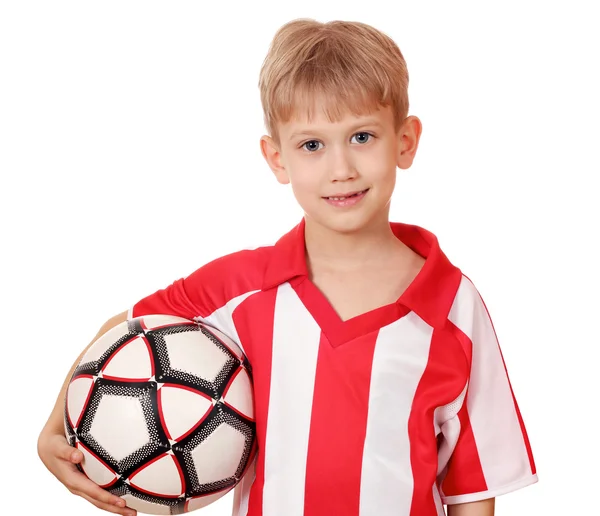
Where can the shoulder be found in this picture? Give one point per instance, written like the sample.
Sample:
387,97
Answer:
470,316
467,295
467,303
244,268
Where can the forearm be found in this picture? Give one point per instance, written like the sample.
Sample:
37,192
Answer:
55,422
481,508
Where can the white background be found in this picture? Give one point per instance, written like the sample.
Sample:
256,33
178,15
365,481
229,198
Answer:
129,157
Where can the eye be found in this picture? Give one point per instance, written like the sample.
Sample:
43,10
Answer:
314,144
363,135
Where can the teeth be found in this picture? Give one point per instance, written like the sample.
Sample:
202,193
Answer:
343,198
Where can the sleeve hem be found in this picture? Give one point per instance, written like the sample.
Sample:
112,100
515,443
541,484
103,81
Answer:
492,493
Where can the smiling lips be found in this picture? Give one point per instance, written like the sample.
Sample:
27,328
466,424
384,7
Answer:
342,197
349,199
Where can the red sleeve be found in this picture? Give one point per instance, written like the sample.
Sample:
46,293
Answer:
172,300
491,454
206,290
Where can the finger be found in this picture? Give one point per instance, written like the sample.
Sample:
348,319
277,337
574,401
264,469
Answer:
125,511
67,452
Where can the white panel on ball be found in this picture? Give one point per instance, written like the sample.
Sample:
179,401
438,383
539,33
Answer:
160,477
202,358
77,395
239,395
182,409
95,469
104,343
125,438
224,441
132,361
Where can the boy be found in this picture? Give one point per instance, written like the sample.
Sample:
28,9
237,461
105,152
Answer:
379,385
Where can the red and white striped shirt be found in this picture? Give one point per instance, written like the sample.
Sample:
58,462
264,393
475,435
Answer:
394,412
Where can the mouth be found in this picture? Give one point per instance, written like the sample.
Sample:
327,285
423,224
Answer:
346,196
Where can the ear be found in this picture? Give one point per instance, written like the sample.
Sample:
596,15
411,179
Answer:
408,137
271,153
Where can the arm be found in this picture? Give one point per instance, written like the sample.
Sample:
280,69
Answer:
60,458
55,421
481,508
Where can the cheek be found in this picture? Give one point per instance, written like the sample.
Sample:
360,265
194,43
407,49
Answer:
303,189
304,180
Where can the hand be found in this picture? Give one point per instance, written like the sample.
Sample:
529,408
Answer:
60,459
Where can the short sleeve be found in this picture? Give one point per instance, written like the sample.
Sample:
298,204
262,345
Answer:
189,297
491,452
210,294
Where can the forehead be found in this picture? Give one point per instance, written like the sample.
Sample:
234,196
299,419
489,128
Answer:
323,115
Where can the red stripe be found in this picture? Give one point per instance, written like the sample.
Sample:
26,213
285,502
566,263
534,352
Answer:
338,426
443,381
464,473
254,320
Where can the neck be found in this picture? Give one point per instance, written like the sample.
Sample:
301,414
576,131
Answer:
346,252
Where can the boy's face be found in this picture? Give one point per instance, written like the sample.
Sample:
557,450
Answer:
322,159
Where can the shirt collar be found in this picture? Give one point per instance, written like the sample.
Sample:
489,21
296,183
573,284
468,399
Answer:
430,295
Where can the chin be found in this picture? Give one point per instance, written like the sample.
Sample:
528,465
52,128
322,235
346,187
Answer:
345,223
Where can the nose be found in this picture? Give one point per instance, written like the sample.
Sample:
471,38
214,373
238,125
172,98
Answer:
341,166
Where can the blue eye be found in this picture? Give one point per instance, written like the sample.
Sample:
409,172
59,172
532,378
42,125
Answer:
363,133
313,142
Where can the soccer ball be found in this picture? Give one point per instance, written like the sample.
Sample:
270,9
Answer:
162,409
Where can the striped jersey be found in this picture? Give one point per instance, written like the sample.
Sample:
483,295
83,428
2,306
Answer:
394,412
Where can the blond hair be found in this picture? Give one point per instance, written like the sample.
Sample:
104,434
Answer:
351,65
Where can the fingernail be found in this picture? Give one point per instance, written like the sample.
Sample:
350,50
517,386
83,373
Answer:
120,503
74,456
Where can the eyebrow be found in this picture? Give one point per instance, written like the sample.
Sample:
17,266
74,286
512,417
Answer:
311,132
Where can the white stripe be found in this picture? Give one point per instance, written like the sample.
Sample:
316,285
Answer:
439,506
491,493
222,318
400,358
490,404
296,339
451,432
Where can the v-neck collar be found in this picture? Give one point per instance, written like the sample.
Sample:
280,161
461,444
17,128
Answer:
336,330
429,295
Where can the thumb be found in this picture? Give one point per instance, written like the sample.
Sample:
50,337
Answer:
74,455
71,454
